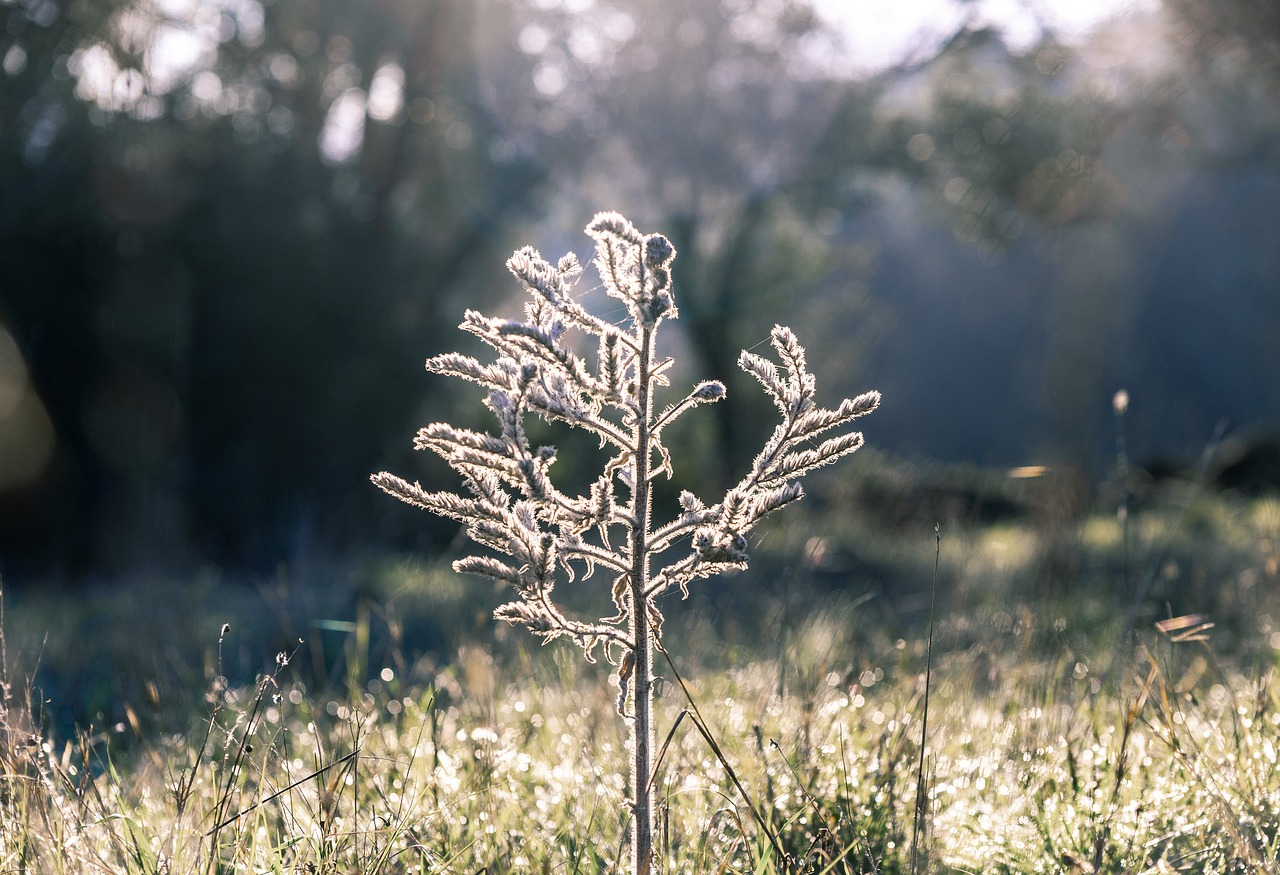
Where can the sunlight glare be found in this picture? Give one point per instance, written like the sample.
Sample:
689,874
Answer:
882,33
343,133
386,92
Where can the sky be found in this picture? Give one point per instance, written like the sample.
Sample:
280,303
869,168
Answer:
179,36
881,33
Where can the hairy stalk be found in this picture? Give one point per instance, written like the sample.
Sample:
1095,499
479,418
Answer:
641,636
514,509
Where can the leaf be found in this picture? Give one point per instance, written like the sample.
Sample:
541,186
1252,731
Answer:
613,226
444,504
763,370
454,364
770,500
488,567
791,352
569,268
537,274
800,463
528,614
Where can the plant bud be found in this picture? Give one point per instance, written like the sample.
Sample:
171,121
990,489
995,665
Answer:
658,251
709,391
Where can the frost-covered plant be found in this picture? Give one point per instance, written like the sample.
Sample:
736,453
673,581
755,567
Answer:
513,508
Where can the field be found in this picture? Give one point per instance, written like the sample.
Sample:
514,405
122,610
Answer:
1099,697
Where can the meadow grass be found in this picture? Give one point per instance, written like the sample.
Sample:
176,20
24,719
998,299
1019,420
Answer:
394,741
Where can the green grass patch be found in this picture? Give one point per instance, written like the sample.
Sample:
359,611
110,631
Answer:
408,733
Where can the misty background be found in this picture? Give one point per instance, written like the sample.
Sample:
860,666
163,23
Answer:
231,232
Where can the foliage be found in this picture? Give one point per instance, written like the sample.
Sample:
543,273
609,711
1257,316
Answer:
223,221
515,509
196,281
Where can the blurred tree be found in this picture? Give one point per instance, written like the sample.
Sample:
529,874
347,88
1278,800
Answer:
1001,139
389,185
699,119
52,240
1097,167
1218,29
227,225
740,129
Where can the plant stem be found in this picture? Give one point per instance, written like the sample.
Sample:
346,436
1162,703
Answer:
641,634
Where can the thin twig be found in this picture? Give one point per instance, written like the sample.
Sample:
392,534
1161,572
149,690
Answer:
921,790
699,722
317,773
